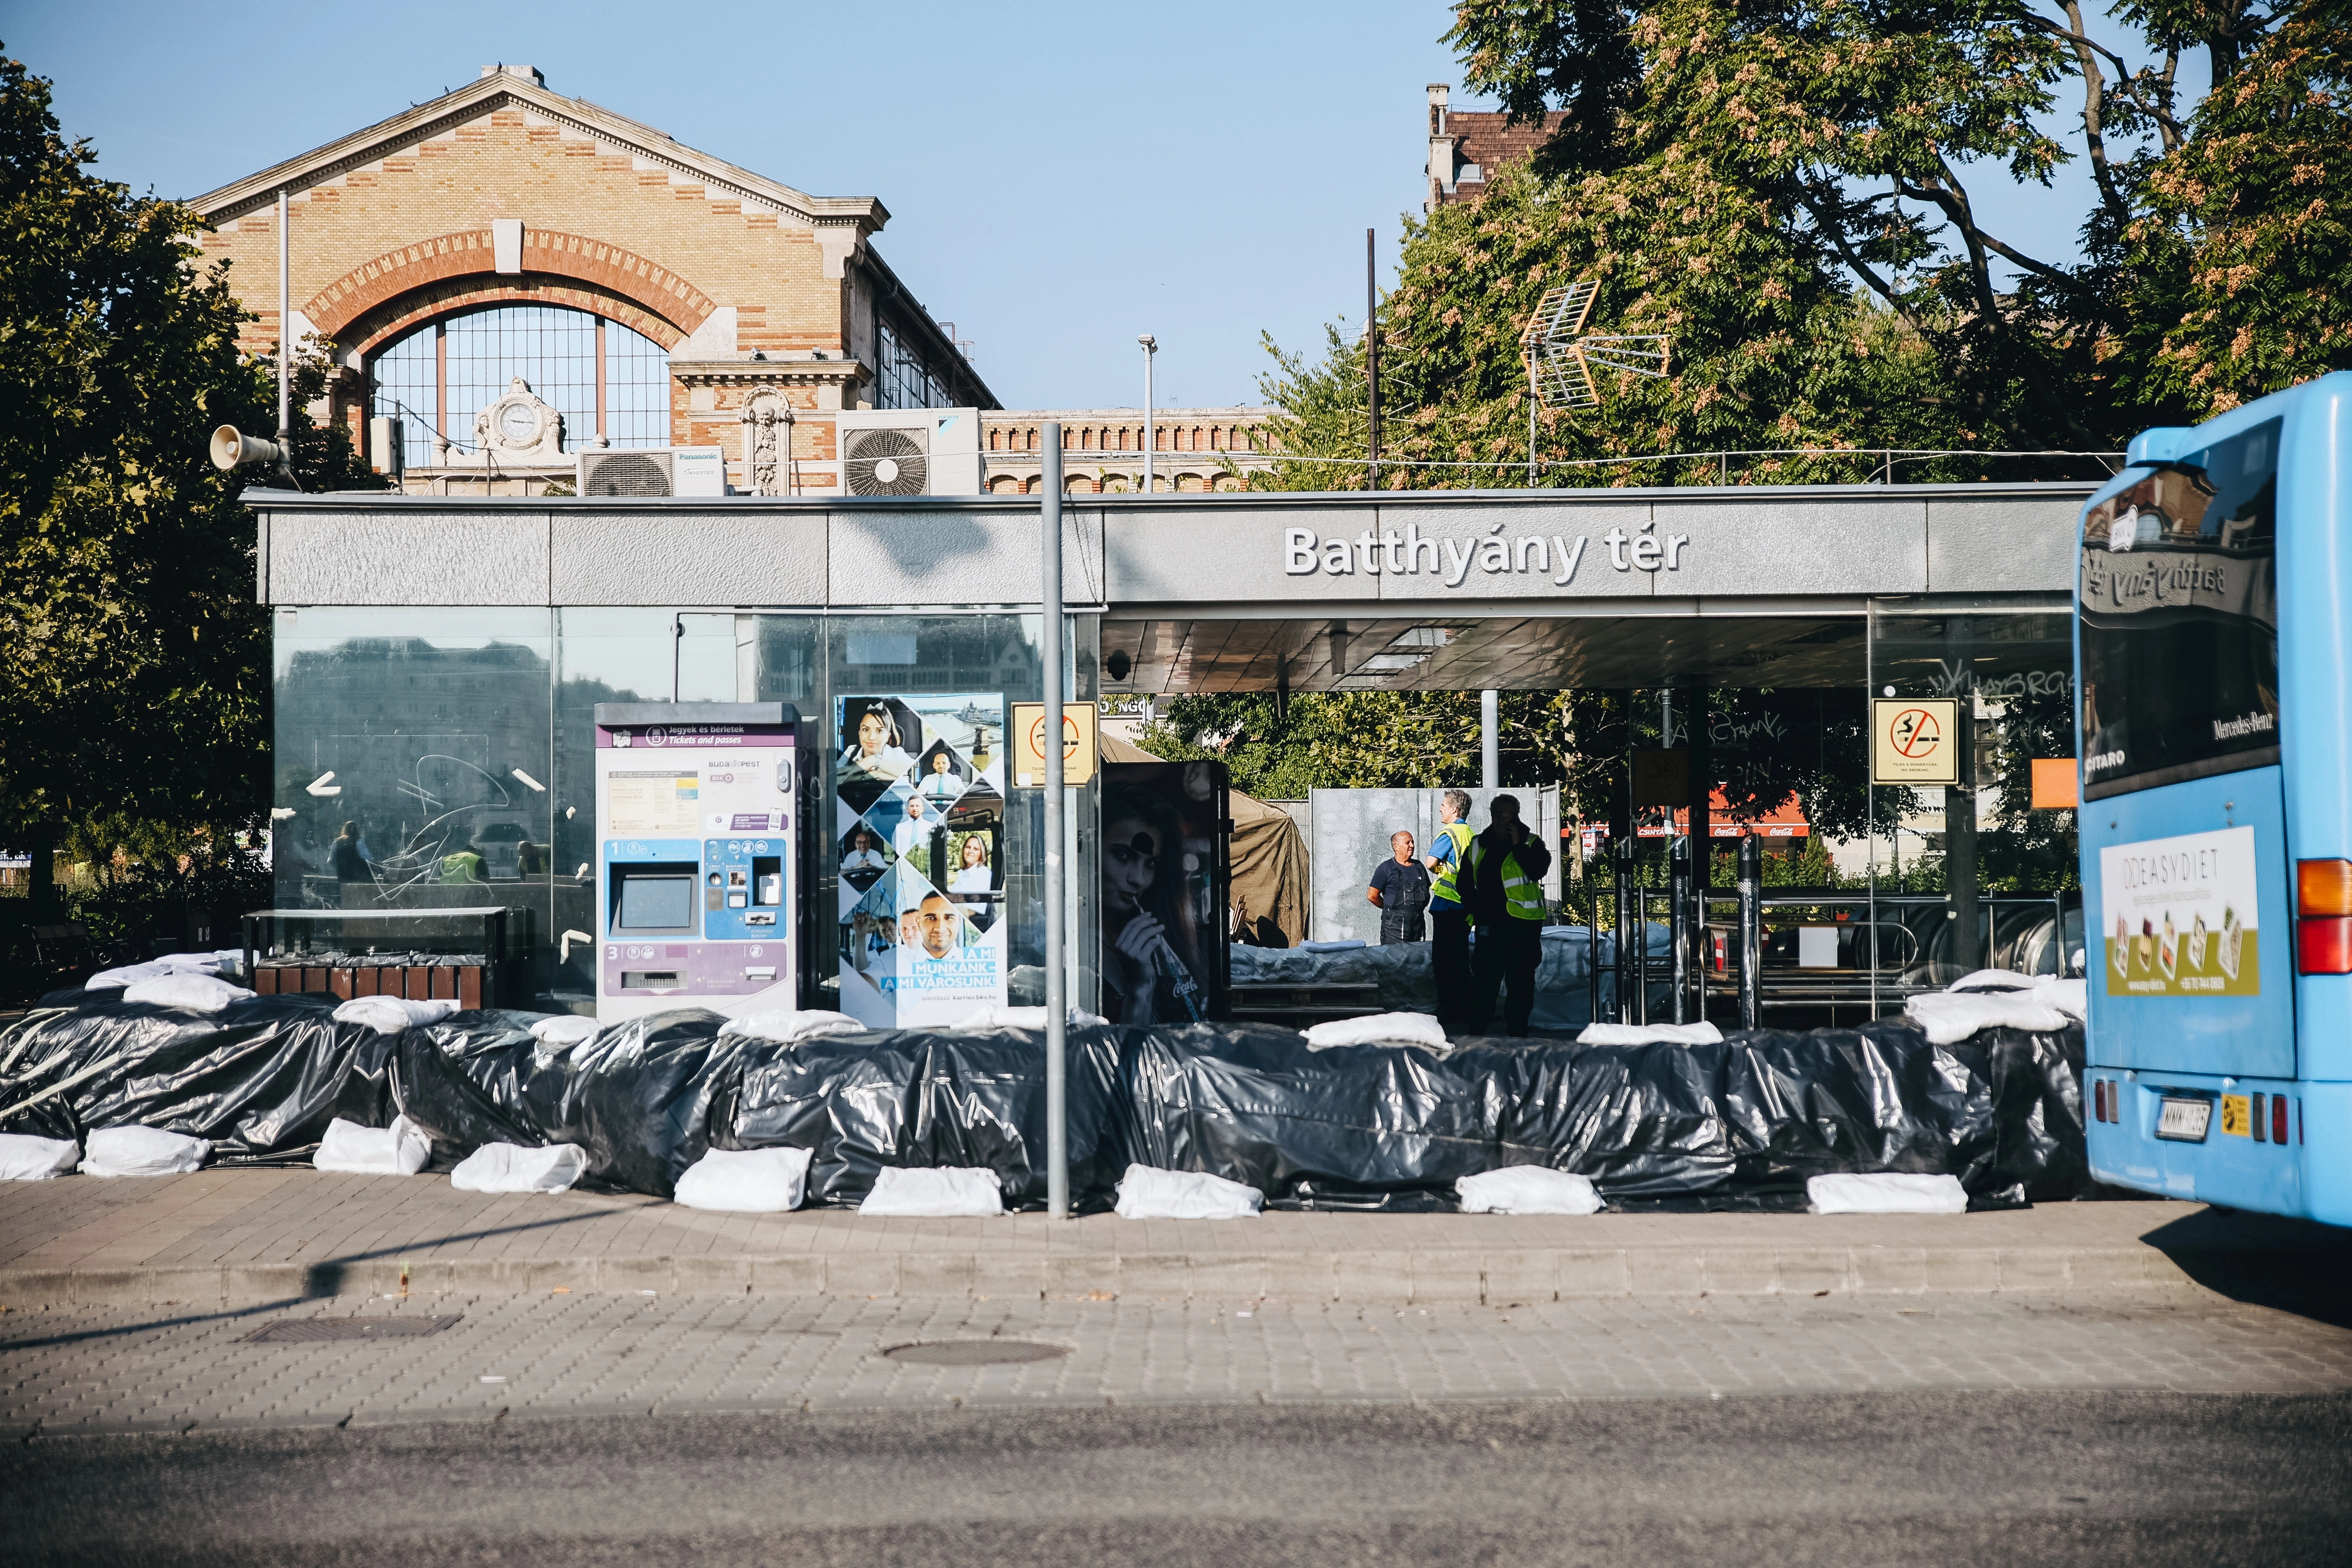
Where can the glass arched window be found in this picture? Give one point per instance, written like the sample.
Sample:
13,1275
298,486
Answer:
600,374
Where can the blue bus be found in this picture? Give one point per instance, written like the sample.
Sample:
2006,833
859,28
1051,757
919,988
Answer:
2213,664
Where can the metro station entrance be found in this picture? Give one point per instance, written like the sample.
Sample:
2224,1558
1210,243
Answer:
1722,823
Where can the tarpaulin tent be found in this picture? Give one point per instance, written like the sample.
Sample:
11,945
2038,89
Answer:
1269,857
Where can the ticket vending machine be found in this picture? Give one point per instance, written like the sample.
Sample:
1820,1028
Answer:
699,828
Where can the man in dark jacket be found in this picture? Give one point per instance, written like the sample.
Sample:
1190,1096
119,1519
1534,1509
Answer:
1503,873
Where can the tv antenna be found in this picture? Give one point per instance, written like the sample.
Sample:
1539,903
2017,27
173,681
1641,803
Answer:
1562,355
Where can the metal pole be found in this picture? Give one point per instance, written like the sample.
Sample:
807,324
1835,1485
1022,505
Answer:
1490,740
1150,347
285,342
1372,365
1621,853
1057,1011
1677,908
1751,929
1641,955
1591,880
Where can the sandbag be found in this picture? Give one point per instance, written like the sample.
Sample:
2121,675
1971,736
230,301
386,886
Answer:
141,1151
392,1015
1527,1189
511,1168
1379,1029
1885,1191
399,1149
746,1181
25,1158
187,989
933,1194
783,1026
481,1078
1147,1194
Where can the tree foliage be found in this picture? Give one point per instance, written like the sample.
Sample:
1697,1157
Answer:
134,696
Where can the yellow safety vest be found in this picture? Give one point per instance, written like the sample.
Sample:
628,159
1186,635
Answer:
1440,881
1522,894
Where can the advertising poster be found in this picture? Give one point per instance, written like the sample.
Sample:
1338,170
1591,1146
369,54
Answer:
918,797
1165,873
2179,916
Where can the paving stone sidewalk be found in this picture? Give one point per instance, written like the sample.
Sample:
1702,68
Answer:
232,1238
113,1371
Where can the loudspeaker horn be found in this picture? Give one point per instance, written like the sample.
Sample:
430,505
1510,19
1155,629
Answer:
231,448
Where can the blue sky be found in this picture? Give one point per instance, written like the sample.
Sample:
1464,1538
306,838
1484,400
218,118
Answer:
1060,178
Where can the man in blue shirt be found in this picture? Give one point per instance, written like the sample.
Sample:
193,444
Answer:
1400,892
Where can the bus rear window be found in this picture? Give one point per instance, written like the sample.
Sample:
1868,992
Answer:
2180,620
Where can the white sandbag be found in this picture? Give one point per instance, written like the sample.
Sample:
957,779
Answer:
1992,980
1700,1034
1350,944
1147,1192
399,1149
995,1017
128,975
933,1193
564,1030
187,990
746,1181
25,1158
2072,997
1527,1189
1379,1029
1885,1192
392,1015
1949,1018
142,1151
785,1025
511,1168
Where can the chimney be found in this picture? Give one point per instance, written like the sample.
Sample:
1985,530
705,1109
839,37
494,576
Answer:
530,72
1441,165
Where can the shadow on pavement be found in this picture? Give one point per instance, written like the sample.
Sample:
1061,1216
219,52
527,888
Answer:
2296,1265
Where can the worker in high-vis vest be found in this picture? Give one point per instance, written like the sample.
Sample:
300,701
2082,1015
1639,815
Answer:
1502,888
1449,924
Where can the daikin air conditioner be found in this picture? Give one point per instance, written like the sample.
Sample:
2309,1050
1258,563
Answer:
909,451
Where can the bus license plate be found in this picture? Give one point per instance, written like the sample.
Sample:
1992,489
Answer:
2185,1120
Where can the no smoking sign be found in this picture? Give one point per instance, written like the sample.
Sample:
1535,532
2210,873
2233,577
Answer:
1912,741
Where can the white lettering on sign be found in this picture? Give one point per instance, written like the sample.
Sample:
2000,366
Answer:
1409,554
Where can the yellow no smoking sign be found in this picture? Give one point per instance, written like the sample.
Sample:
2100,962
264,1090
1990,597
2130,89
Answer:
1914,741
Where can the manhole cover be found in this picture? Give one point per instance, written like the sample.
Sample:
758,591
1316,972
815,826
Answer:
311,1331
975,1352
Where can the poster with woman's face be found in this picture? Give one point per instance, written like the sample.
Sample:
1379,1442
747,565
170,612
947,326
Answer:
1162,925
920,805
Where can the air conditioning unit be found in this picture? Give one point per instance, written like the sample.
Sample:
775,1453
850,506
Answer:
653,471
909,451
616,471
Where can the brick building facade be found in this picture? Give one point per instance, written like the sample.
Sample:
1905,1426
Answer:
505,194
650,295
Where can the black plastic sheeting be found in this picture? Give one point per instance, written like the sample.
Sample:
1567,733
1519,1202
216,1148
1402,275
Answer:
263,1076
1739,1124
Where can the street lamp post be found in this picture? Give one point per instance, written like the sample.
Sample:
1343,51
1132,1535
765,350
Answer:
1151,346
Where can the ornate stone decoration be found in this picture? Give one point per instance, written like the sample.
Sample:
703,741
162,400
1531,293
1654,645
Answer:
520,428
767,441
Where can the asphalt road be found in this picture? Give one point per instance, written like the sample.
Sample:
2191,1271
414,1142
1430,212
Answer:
1869,1479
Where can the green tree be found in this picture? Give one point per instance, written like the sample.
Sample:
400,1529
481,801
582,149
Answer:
134,695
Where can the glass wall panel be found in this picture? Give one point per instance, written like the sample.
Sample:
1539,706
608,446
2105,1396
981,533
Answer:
412,755
2003,869
603,656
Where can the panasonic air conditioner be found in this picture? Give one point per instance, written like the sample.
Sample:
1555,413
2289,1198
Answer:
909,451
654,471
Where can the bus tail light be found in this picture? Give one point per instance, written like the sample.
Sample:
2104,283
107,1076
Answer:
2323,945
2323,888
2278,1118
